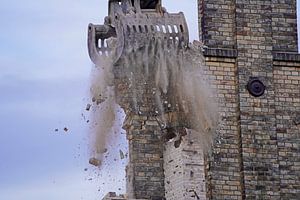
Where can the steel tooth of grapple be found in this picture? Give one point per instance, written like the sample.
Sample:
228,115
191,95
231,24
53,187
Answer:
97,41
141,28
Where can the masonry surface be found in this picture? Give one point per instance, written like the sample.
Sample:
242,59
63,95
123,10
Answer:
256,152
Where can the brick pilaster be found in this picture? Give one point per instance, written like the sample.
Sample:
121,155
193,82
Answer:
258,132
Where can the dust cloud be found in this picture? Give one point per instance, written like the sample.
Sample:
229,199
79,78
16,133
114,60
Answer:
162,77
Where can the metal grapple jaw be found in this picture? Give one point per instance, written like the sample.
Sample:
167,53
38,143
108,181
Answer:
133,23
97,45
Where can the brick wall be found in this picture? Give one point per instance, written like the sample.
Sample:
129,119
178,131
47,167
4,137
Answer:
256,153
145,169
287,92
217,23
284,25
184,170
224,175
145,176
259,144
266,134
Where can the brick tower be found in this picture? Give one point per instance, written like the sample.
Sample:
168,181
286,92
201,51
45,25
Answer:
252,57
252,53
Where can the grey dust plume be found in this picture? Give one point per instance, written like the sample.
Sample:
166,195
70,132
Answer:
160,79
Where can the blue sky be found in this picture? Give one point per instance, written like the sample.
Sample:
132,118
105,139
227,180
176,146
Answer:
44,80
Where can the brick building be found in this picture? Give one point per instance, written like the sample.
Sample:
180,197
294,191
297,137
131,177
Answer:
257,154
252,57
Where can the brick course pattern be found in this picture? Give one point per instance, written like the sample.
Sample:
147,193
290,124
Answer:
258,133
145,175
256,152
217,27
145,169
287,92
184,170
224,178
284,25
266,133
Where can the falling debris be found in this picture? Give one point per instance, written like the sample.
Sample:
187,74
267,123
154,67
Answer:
94,161
121,154
99,101
66,129
85,169
88,107
56,130
178,86
104,150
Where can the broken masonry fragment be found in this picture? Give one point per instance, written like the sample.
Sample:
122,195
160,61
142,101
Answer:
121,155
94,161
88,107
